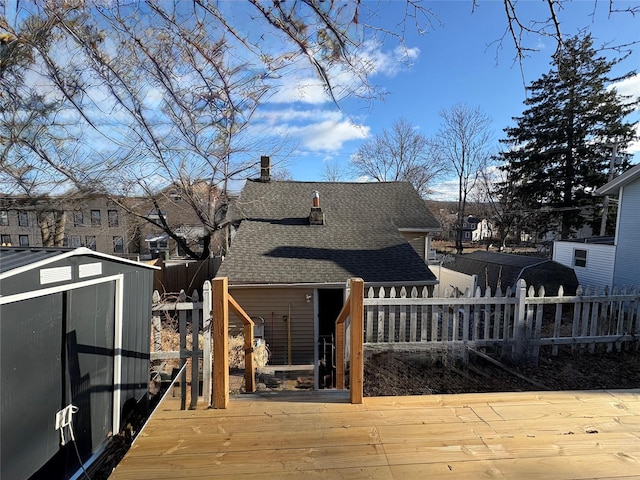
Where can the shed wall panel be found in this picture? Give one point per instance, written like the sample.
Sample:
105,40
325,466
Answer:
599,269
627,264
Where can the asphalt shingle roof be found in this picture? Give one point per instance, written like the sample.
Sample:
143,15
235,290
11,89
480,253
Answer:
506,269
360,237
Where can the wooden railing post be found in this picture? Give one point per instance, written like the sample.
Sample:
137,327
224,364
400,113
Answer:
220,343
357,340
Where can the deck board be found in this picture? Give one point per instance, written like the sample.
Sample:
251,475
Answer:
554,435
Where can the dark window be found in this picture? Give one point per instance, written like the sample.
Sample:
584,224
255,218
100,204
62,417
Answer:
90,242
579,258
78,218
96,220
161,245
23,219
5,240
113,218
76,242
4,218
118,245
24,240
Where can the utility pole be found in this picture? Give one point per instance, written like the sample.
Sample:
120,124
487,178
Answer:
605,204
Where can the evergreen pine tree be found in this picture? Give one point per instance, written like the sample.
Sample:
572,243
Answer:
559,151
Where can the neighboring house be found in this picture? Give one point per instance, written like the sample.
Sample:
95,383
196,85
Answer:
176,207
469,226
610,263
100,224
504,270
483,230
298,243
93,222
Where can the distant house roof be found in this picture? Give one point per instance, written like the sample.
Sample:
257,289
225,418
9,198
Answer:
505,269
613,187
360,237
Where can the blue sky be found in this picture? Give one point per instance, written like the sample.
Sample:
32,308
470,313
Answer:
458,61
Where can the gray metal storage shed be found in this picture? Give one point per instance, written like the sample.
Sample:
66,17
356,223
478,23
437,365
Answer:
74,348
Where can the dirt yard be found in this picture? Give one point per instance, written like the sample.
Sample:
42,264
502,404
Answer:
416,374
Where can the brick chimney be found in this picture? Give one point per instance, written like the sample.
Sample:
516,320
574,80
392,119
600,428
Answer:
316,217
265,169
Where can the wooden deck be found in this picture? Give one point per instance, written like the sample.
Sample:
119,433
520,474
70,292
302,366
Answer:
319,435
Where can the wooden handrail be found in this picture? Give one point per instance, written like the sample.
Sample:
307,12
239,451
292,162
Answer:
249,368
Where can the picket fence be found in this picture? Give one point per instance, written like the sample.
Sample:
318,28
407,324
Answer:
191,320
517,323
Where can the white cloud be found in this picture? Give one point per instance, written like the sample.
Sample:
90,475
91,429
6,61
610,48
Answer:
629,86
314,130
301,85
306,90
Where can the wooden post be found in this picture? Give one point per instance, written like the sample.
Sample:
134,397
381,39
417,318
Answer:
220,343
207,358
357,340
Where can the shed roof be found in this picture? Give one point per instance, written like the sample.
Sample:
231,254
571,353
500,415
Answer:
506,269
612,187
360,237
15,259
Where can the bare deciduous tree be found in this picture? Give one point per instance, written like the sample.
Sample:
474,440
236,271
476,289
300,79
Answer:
138,98
463,143
400,153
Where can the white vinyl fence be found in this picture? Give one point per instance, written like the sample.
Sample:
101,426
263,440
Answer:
518,323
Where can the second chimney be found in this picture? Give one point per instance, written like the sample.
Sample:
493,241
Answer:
316,217
265,169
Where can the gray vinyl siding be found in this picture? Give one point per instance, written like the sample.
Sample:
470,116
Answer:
273,304
416,240
627,264
599,269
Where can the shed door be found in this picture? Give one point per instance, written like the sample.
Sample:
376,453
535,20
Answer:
30,355
90,326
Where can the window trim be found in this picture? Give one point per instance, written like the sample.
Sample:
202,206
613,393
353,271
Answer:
118,239
20,238
78,215
23,215
113,219
580,260
96,220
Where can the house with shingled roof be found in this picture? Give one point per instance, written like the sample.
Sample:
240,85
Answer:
297,244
